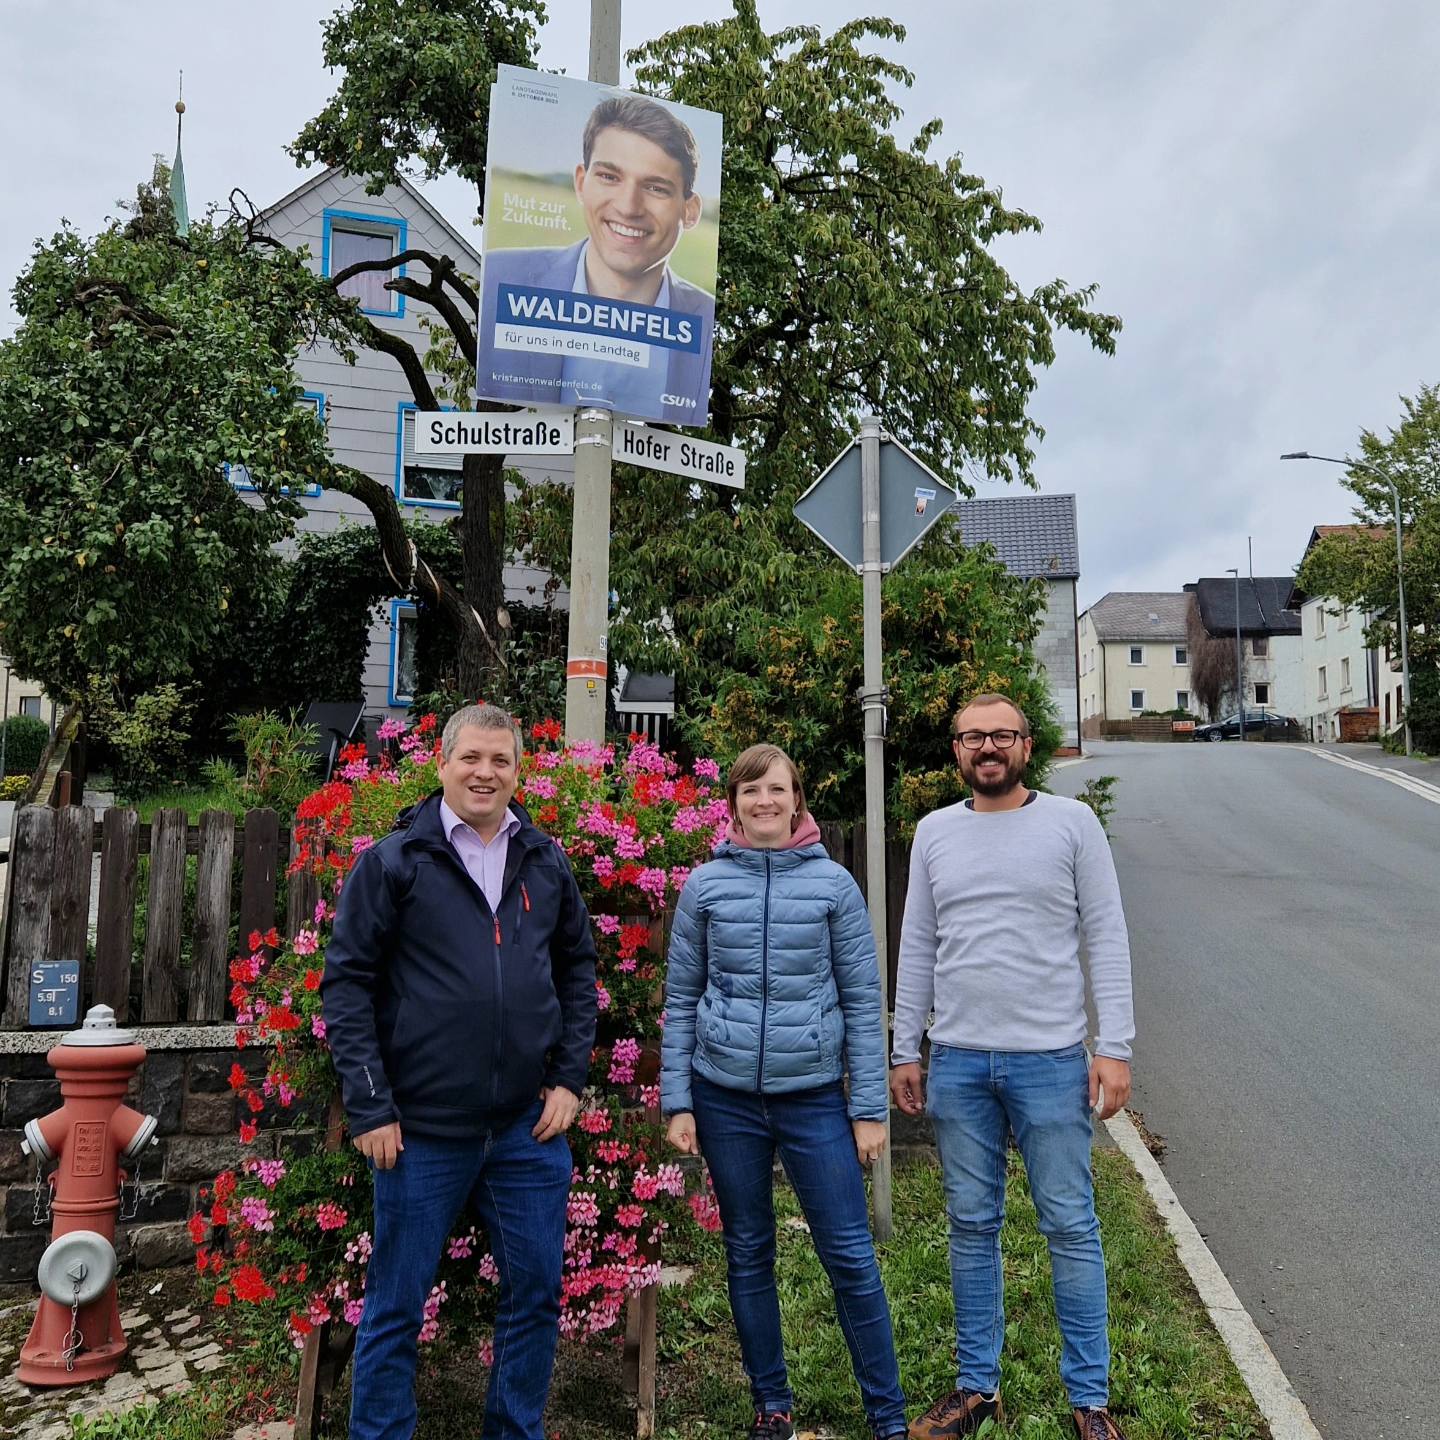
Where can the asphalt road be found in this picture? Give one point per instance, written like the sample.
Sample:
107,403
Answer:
1284,916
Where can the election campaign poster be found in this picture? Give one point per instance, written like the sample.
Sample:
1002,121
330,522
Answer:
600,251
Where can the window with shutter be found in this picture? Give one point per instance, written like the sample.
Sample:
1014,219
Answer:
427,479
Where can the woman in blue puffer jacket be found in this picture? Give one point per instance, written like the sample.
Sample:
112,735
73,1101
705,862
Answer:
773,994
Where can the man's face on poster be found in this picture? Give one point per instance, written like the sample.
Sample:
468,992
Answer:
635,204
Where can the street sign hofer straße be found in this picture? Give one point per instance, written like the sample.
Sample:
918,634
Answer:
912,499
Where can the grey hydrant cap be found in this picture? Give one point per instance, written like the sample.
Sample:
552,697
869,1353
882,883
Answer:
99,1029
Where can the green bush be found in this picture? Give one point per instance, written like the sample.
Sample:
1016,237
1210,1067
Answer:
1099,795
145,735
25,738
279,761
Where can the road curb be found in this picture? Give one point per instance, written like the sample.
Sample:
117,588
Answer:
1401,778
1274,1394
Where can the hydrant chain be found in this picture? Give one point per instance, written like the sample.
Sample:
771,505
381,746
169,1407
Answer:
134,1202
40,1214
74,1339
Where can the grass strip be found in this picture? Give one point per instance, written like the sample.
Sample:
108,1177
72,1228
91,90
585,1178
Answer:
1172,1378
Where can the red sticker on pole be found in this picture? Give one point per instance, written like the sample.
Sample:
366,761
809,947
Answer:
584,669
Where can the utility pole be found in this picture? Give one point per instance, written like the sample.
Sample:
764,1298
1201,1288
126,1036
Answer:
1404,627
873,702
1239,653
587,670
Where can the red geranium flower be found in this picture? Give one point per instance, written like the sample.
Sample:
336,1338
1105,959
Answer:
250,1284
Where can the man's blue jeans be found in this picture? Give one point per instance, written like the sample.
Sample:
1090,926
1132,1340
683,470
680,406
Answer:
975,1097
740,1132
519,1189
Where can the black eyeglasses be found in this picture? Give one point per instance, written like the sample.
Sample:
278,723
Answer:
975,739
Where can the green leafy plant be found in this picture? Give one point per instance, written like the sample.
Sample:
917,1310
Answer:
279,760
146,735
13,787
1099,795
25,738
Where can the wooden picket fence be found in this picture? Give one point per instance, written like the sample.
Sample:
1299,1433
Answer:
48,905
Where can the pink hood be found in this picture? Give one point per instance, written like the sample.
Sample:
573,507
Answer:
807,832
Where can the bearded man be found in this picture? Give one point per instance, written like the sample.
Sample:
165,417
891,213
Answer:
1003,887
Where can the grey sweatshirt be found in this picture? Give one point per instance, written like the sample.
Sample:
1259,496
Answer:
997,906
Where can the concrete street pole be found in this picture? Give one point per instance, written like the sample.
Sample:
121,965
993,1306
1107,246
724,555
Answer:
1404,626
873,701
1239,655
587,671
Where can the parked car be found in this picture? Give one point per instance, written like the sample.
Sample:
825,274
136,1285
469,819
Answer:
1255,720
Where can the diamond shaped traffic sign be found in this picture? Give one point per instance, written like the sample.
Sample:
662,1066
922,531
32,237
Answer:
912,498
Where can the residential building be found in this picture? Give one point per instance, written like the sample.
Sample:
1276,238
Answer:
1272,660
19,696
1035,537
1341,673
368,408
1134,657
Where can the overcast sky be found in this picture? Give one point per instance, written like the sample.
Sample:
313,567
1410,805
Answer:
1252,185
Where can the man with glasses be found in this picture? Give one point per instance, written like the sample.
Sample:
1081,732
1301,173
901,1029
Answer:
1002,890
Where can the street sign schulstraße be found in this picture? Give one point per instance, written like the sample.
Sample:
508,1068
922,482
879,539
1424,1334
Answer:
912,498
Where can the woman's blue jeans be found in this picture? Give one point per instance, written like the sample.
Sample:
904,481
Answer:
975,1098
519,1189
740,1133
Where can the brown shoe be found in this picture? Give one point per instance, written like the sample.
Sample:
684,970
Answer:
961,1412
1097,1424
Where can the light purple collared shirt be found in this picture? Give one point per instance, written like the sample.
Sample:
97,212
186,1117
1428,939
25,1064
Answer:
485,863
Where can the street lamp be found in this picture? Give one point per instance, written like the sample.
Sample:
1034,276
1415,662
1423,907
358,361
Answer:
1379,474
1239,653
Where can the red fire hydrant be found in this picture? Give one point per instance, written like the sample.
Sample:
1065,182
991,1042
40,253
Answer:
77,1334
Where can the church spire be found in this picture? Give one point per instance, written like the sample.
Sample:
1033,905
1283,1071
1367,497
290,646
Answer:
179,205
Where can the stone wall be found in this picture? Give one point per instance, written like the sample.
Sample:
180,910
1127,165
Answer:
186,1087
1055,649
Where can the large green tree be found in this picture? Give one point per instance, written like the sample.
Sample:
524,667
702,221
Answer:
955,624
855,273
142,367
1358,567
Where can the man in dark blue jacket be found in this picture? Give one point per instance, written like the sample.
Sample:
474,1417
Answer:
459,1002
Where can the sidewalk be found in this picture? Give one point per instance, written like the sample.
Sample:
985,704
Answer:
1419,766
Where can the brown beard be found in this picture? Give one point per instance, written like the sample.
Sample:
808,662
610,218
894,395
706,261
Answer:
1013,762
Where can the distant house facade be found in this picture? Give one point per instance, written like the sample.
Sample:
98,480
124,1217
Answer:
368,408
1342,674
1036,537
1134,657
1272,656
22,696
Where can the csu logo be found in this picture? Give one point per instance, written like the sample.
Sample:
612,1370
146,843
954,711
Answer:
685,401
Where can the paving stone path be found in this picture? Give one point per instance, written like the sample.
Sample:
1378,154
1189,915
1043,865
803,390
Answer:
169,1352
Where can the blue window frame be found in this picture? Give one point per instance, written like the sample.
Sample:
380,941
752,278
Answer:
403,622
436,481
358,223
239,476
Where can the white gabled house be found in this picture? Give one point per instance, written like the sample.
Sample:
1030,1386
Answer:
368,408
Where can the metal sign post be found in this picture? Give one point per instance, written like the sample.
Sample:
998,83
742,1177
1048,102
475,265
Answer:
872,700
871,507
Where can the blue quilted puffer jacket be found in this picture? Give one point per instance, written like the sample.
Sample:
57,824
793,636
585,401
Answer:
773,984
